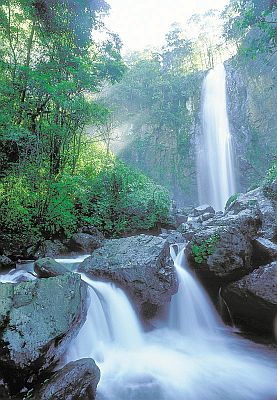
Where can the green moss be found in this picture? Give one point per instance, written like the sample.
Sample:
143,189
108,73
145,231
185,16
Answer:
203,250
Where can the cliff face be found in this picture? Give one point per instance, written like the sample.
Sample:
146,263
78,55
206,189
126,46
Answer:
161,143
252,100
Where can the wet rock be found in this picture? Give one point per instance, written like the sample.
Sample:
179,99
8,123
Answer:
38,319
207,216
4,390
264,251
253,299
257,199
221,250
203,209
76,381
84,242
180,218
46,267
140,264
220,253
172,237
6,262
51,249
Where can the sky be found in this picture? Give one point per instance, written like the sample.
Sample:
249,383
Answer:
143,23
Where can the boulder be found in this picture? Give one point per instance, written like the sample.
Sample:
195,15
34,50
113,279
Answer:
264,251
6,262
38,319
86,241
253,299
46,267
203,209
220,250
140,264
4,390
257,199
221,254
49,248
207,216
76,381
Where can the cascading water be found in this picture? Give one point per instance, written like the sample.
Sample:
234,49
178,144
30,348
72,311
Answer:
191,311
216,177
191,358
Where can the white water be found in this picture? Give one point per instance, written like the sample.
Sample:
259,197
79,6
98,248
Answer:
216,177
192,358
191,311
15,275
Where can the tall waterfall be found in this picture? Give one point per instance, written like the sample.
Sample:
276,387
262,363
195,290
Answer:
216,178
191,357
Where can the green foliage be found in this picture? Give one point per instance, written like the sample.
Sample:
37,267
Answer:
252,26
270,177
203,250
160,96
104,192
231,200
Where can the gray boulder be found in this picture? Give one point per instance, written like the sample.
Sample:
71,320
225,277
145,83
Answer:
207,216
203,209
46,267
38,319
253,299
264,251
257,199
49,248
4,390
221,250
86,241
140,264
76,381
6,262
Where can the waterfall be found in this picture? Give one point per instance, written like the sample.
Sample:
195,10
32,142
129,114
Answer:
190,358
111,320
216,177
191,311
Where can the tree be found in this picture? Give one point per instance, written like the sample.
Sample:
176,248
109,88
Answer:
252,26
50,70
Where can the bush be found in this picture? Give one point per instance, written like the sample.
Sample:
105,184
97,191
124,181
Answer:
104,192
202,251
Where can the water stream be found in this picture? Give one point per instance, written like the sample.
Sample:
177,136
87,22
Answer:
193,357
215,166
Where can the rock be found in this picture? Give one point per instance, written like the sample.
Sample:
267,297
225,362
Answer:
257,199
220,253
189,229
76,381
264,251
4,390
203,209
51,249
221,250
38,319
253,299
173,237
84,242
46,267
140,264
6,262
207,216
91,230
180,218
